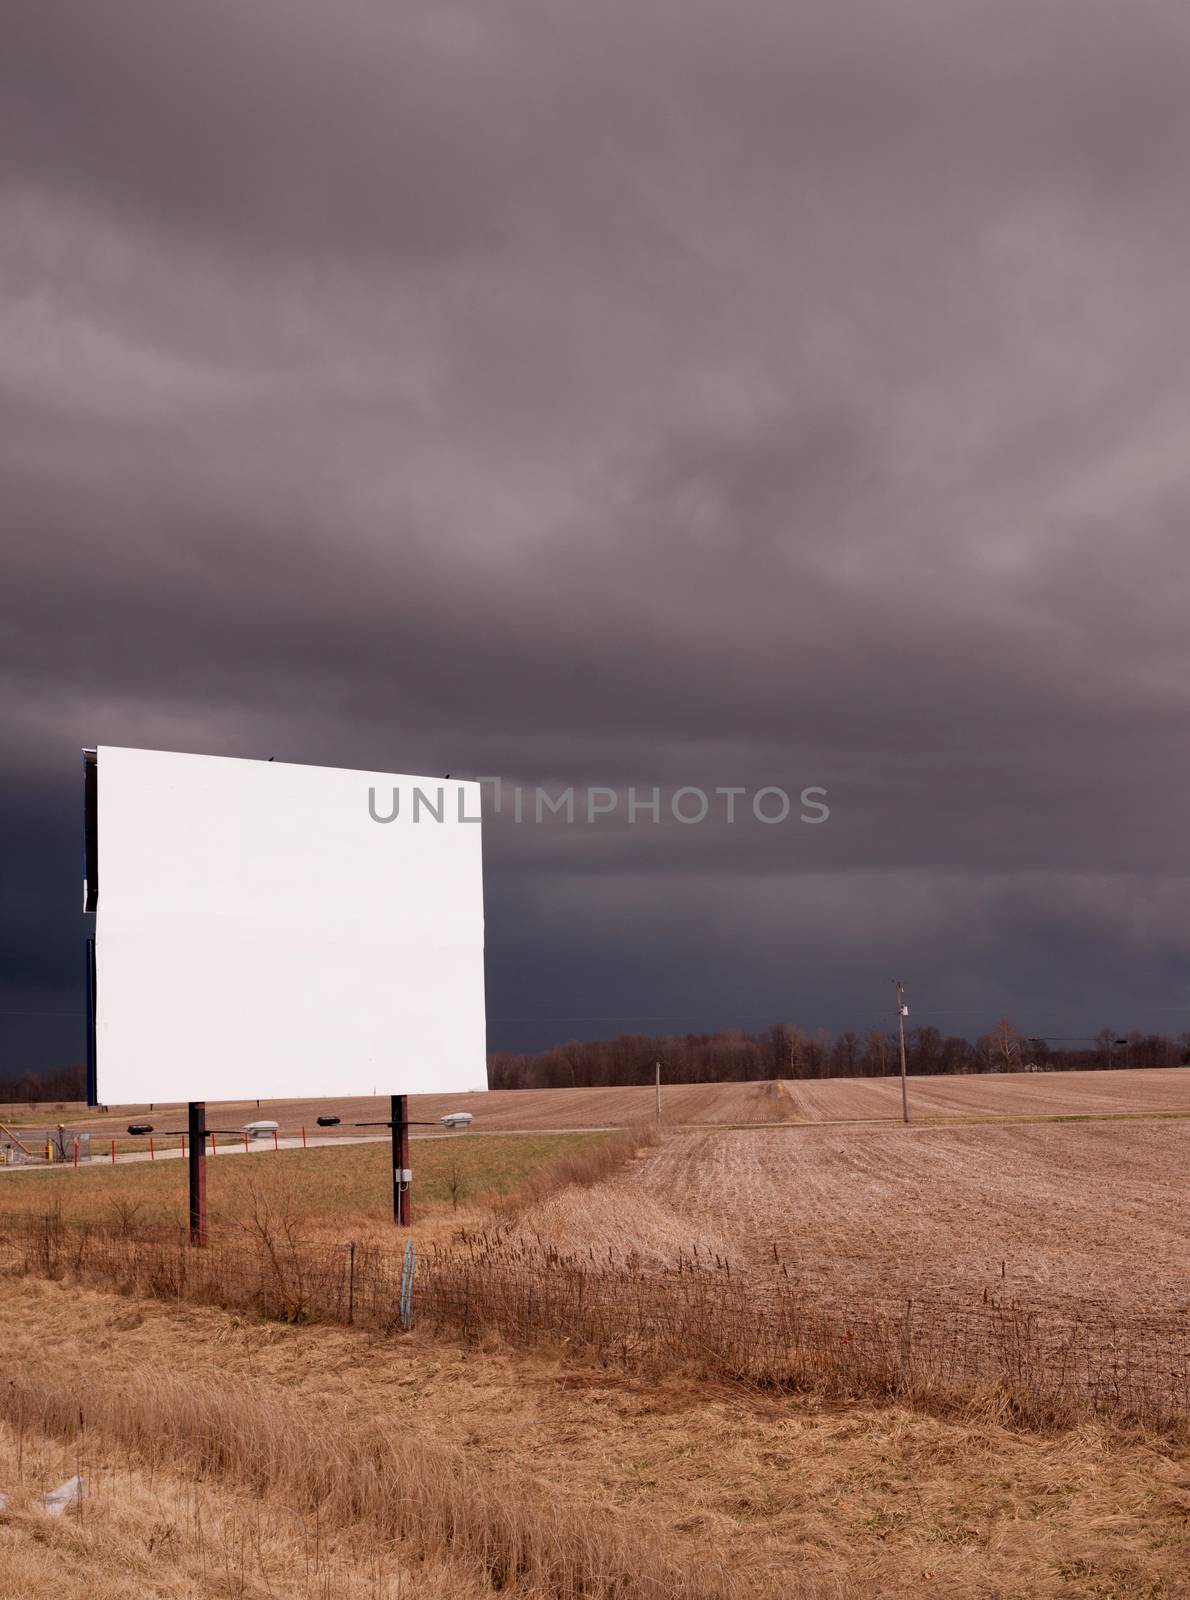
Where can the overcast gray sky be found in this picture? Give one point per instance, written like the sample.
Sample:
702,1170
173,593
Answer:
687,393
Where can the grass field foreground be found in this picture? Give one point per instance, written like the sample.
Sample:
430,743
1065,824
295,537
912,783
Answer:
767,1497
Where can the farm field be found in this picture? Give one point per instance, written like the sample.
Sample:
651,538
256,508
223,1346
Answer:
1085,1217
942,1097
495,1110
1002,1094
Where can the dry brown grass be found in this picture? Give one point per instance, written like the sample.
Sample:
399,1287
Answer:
396,1488
659,1256
1090,1217
885,1500
347,1189
1053,1259
574,1171
145,1532
697,1314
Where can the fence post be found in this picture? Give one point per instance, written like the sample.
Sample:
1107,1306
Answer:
152,1152
245,1144
407,1285
276,1146
76,1149
303,1139
907,1348
113,1152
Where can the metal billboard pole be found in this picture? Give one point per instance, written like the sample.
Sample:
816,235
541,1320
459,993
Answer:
401,1179
399,1123
92,1087
197,1133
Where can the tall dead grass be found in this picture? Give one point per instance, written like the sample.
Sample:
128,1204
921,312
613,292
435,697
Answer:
1020,1361
154,1535
574,1169
698,1313
382,1481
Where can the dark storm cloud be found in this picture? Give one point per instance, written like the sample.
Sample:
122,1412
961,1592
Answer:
710,395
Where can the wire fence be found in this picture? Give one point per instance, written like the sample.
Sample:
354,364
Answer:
1042,1364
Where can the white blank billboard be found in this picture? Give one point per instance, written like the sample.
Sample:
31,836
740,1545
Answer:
260,935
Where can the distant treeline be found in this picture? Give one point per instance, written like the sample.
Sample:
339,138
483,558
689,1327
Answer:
782,1051
787,1051
58,1083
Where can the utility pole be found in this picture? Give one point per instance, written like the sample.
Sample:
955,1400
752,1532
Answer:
902,1013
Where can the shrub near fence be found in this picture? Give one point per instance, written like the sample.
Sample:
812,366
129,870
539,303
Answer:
700,1314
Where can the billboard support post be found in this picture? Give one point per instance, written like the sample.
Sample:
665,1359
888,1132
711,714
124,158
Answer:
197,1119
92,1090
400,1131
